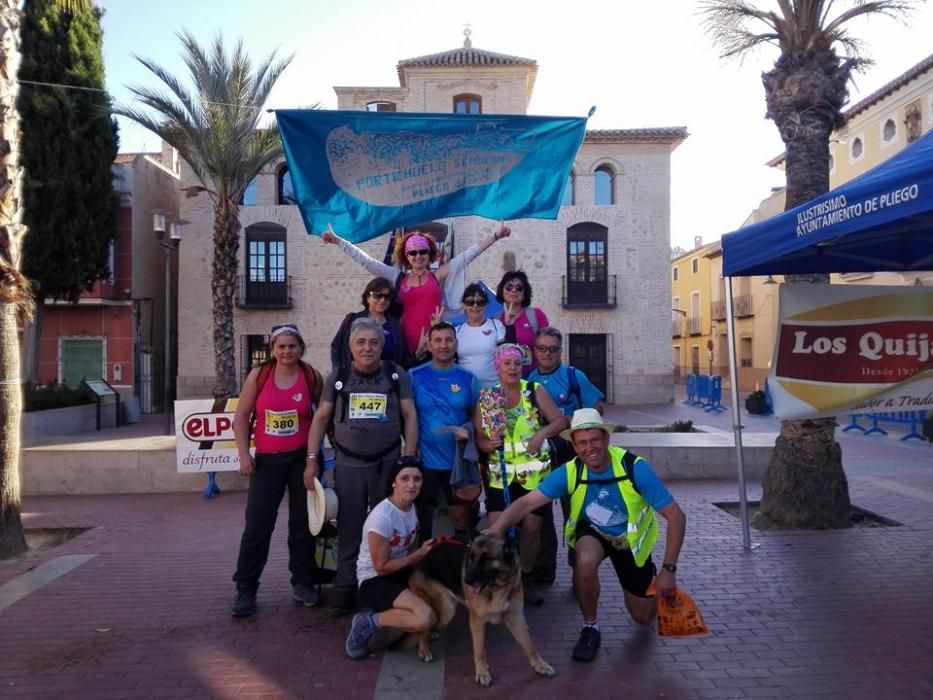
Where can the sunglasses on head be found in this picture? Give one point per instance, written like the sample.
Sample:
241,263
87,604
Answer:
514,288
420,251
382,296
479,301
548,349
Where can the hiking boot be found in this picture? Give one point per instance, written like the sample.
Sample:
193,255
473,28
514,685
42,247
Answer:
245,603
306,594
587,646
362,630
532,594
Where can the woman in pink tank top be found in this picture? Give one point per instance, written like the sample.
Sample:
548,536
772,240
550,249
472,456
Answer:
421,290
277,400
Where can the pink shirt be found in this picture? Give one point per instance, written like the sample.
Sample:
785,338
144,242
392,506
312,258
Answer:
283,416
418,305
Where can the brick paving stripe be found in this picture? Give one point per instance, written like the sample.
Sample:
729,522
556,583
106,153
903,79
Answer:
24,584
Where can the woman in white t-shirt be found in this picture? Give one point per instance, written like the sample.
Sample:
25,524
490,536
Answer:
388,553
478,336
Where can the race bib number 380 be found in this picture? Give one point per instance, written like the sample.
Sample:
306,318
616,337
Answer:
281,423
367,406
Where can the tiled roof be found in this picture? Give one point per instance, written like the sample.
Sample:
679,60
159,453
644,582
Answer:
673,135
896,84
463,56
125,158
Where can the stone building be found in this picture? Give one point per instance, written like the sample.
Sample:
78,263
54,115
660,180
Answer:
599,271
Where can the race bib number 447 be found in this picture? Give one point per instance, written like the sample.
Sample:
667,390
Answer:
367,406
281,423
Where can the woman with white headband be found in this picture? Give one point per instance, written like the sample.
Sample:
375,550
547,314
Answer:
423,293
275,408
514,420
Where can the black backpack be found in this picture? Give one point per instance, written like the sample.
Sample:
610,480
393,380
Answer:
341,400
628,463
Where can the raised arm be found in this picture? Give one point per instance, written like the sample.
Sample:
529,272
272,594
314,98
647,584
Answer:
369,263
459,262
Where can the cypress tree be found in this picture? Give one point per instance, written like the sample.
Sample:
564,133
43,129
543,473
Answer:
69,142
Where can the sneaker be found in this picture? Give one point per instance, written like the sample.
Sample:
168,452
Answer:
342,604
362,630
587,646
306,594
245,603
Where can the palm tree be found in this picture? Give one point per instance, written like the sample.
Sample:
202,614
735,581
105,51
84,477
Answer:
216,131
15,292
804,485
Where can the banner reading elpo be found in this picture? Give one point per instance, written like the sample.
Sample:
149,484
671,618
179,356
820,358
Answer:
204,439
852,349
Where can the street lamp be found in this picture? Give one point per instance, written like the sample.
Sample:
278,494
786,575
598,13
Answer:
170,246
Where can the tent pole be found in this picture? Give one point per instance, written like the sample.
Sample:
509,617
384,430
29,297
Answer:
737,416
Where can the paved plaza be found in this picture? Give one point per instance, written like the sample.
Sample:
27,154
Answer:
139,606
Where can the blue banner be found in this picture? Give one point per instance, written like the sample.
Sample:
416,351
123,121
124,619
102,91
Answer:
365,173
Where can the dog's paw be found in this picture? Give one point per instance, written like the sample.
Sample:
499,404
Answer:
426,656
483,677
543,668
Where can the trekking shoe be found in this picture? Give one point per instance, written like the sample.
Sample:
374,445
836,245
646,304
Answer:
362,630
587,646
306,594
245,603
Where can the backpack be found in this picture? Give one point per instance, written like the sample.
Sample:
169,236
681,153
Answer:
341,396
628,463
311,379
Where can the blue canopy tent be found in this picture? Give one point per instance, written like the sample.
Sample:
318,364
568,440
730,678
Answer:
880,221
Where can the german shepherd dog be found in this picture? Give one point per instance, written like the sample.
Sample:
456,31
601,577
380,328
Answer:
486,577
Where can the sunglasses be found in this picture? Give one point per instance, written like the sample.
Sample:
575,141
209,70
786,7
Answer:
548,349
381,296
514,288
475,302
421,251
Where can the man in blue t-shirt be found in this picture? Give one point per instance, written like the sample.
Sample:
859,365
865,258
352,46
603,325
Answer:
615,482
445,396
571,389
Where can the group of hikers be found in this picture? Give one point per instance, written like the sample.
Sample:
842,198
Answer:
481,418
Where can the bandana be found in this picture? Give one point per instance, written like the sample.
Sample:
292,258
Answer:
505,351
417,242
284,329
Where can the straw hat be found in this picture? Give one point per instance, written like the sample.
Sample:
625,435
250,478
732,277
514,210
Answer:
584,419
322,507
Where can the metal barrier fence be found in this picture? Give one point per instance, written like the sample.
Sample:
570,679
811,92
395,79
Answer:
705,391
912,419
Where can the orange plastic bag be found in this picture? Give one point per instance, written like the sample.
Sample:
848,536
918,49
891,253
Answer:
679,616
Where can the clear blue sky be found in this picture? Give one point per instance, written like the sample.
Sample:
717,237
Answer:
641,63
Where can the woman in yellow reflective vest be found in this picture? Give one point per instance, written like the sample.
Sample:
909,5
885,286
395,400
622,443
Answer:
519,417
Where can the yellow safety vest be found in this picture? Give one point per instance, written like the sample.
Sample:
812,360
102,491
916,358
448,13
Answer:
642,530
528,470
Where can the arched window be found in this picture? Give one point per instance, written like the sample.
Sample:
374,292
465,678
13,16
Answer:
380,106
248,198
468,104
568,192
858,148
284,189
604,185
889,130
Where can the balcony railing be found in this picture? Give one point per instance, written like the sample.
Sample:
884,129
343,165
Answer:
718,310
742,306
693,325
263,295
588,295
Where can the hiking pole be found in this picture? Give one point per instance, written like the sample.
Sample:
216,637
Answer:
503,472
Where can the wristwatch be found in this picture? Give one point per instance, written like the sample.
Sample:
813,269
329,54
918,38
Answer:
670,567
